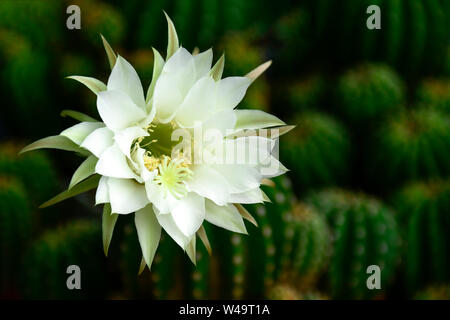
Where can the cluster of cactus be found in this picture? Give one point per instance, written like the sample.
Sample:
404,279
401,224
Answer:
302,94
364,233
335,25
306,248
414,145
368,92
424,212
45,266
317,151
435,93
15,232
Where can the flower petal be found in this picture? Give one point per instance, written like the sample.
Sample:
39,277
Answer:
80,131
102,194
203,63
197,106
163,203
125,138
176,79
168,224
149,232
109,220
189,213
126,195
255,119
93,84
209,183
117,110
251,196
227,217
86,169
98,141
230,92
113,163
124,78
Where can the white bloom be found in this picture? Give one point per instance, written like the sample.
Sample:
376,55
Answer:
134,158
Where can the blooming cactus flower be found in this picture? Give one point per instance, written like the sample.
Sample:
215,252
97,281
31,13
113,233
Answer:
135,159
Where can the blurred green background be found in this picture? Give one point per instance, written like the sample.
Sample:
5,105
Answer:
369,160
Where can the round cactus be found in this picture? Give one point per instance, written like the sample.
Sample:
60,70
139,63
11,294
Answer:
435,93
368,92
15,233
316,151
413,145
307,247
424,210
45,264
364,233
304,94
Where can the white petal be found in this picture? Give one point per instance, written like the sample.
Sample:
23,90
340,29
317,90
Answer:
149,232
255,119
80,131
166,221
102,194
230,92
197,106
240,178
203,63
117,110
176,79
209,183
98,141
251,196
164,203
189,213
113,163
222,121
227,217
124,78
126,195
125,138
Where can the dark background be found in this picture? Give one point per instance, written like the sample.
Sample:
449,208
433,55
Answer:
369,158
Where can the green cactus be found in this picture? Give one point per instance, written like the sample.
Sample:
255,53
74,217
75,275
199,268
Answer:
424,210
289,292
209,22
45,264
306,248
413,145
15,233
368,92
435,93
364,233
316,151
303,94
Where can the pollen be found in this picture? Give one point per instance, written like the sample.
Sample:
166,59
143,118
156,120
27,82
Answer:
172,175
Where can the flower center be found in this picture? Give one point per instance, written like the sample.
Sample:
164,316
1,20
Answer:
172,169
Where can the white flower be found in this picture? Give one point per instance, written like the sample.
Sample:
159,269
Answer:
136,161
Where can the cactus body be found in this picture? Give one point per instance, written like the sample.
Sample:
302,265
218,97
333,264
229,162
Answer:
424,210
365,233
